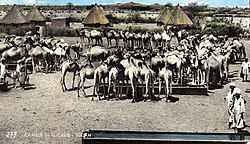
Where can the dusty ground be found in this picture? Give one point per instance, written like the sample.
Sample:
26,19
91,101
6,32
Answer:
45,114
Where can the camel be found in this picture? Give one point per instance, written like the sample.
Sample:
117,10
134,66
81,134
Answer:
14,53
97,36
51,57
122,36
4,47
113,79
156,39
129,39
96,53
39,55
131,73
68,66
165,38
87,71
84,33
157,63
165,75
59,56
240,48
100,73
149,76
138,40
210,62
191,66
146,40
143,72
111,35
175,59
181,35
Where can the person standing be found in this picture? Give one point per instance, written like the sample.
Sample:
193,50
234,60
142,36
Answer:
21,72
76,48
244,69
238,110
230,102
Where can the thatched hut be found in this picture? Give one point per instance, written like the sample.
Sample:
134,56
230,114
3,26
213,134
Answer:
14,17
95,18
36,17
178,17
164,16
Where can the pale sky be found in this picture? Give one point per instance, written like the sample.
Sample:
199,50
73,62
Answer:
241,3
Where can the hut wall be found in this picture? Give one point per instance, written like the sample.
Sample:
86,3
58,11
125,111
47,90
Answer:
60,22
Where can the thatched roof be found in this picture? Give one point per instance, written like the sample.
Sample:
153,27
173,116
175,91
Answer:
35,15
179,17
14,16
95,17
102,10
164,16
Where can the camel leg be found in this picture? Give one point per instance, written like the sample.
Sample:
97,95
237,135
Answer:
142,90
83,90
97,88
166,88
153,87
118,89
170,85
114,89
104,86
221,74
116,42
73,83
109,86
95,83
160,82
34,65
61,81
147,88
127,87
133,89
79,87
180,75
207,76
121,87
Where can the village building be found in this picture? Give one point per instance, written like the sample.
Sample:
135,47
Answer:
36,17
14,17
60,22
96,18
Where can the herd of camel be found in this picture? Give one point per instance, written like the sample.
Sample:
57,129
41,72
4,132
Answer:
145,58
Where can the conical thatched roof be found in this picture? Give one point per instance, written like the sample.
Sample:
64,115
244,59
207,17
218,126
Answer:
179,17
102,10
35,15
96,17
14,16
164,16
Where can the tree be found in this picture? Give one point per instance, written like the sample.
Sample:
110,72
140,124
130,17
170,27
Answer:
69,5
193,9
169,4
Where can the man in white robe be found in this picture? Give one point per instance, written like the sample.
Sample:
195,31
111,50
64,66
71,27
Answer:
230,102
238,110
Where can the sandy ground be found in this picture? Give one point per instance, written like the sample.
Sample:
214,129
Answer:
45,114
